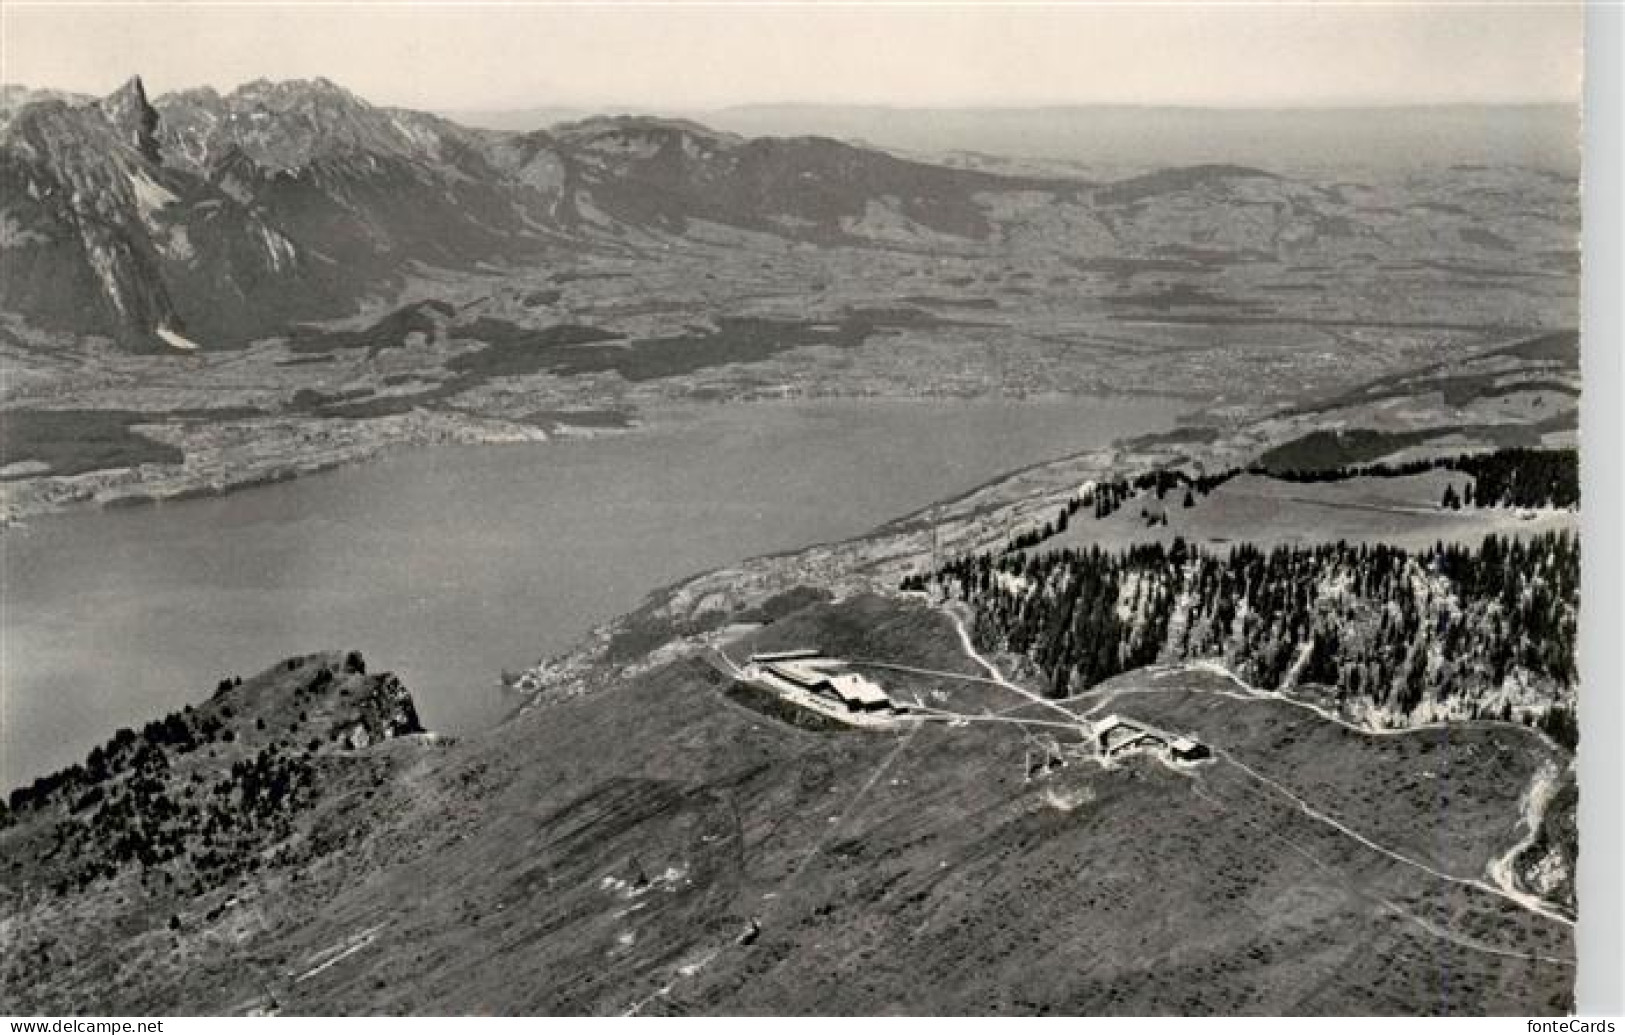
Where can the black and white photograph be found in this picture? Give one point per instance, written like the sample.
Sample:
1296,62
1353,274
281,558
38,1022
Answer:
779,509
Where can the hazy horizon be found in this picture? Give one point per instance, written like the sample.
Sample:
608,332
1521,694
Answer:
654,108
1123,139
715,57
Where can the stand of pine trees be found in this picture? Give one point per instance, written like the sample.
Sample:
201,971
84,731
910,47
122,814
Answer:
1504,478
1104,498
1379,624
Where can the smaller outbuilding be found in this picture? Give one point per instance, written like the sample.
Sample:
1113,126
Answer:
1184,749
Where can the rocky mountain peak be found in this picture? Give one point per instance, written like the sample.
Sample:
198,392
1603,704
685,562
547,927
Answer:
288,95
135,119
282,126
16,95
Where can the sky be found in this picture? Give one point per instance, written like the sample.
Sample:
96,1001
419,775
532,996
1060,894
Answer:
697,56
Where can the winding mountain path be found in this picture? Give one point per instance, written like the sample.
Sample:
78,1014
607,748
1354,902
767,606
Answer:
1503,887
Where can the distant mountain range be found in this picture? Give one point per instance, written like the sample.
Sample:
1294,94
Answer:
1114,138
202,219
223,217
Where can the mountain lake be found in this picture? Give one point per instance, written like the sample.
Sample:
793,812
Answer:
447,565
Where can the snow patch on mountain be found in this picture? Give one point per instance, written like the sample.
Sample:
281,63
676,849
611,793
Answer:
176,340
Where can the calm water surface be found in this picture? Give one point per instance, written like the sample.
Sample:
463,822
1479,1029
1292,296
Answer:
448,565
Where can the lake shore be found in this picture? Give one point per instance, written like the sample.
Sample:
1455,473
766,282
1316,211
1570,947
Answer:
223,457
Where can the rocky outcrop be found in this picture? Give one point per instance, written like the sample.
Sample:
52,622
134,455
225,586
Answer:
201,796
383,711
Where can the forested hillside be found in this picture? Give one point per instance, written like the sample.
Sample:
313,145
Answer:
1397,636
1513,478
203,794
1503,478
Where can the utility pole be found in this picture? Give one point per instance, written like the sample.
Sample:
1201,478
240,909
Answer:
936,538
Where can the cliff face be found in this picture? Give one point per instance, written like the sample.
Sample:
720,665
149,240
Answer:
223,219
80,197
